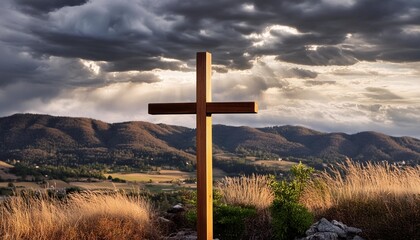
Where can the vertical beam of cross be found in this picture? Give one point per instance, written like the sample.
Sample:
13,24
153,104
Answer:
204,148
204,108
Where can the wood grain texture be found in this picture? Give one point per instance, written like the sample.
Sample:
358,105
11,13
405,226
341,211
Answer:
211,108
204,149
232,107
172,108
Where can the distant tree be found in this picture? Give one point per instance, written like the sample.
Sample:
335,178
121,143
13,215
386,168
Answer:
119,180
11,185
109,177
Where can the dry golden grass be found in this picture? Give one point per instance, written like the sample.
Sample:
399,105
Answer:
82,216
106,185
382,199
246,191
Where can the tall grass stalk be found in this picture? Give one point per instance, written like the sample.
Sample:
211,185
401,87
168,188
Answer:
82,216
381,198
246,191
252,191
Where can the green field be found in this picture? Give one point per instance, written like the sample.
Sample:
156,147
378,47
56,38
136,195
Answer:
107,185
164,176
281,165
161,177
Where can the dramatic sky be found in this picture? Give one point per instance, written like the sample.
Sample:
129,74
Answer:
331,65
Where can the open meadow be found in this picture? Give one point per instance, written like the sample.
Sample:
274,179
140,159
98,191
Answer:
381,199
164,176
164,180
282,165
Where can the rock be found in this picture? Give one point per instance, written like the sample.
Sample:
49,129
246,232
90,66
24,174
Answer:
353,230
323,236
312,230
326,226
339,224
335,230
176,209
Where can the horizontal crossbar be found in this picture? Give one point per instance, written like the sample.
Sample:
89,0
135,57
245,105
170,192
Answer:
212,108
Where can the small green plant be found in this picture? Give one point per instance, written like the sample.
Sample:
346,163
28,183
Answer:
290,218
191,217
229,221
290,191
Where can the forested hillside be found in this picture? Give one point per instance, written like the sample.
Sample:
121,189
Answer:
74,141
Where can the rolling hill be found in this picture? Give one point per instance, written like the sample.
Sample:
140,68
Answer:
66,140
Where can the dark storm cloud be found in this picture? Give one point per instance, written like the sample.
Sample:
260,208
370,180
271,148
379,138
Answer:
384,27
45,6
137,35
320,56
42,41
22,97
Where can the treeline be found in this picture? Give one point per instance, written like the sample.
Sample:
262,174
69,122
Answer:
242,168
140,160
39,173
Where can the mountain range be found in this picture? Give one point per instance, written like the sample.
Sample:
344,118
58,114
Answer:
67,140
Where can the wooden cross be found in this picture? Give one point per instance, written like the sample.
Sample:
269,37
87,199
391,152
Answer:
204,108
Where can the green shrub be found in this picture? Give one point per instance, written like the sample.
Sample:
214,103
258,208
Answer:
290,218
290,191
191,217
118,180
230,221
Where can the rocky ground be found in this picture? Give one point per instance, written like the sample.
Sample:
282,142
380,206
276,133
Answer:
321,230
